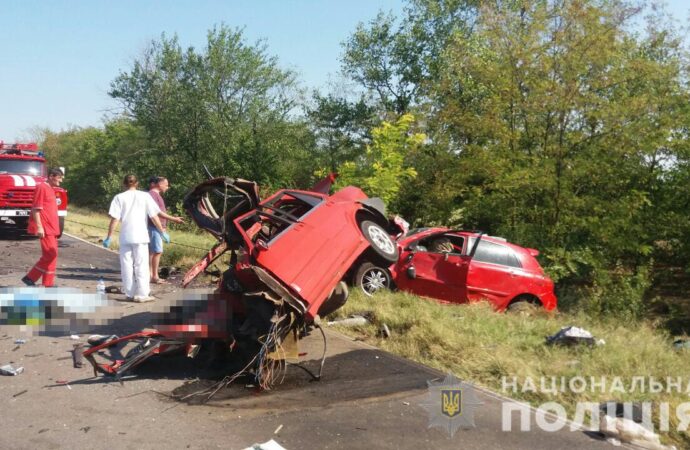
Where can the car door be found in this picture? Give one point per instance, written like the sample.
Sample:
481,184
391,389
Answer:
493,273
442,276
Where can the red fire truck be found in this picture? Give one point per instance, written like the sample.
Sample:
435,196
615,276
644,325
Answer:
22,168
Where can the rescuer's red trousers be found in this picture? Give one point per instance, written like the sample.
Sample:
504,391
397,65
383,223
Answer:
45,267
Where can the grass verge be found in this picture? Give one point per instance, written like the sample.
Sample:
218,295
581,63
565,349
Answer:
482,346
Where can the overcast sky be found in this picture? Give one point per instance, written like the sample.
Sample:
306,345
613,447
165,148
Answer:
57,58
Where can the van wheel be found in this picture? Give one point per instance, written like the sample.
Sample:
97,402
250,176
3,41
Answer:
381,242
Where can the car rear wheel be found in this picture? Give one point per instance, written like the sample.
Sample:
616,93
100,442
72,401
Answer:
371,278
524,305
381,242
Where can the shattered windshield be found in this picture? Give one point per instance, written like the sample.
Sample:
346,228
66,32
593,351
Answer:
22,167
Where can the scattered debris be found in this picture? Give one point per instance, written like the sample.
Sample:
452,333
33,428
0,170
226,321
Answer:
85,429
280,427
681,344
75,337
98,339
8,370
618,409
352,321
42,430
20,341
20,393
628,431
570,336
167,272
269,445
77,357
113,290
385,331
33,355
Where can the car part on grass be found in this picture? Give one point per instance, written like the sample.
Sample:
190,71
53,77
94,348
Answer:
681,344
570,336
384,331
352,321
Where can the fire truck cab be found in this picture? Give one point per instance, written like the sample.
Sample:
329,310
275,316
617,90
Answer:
22,168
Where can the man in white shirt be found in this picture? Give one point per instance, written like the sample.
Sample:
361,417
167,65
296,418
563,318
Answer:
133,207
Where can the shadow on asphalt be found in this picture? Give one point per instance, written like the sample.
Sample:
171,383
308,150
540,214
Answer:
12,235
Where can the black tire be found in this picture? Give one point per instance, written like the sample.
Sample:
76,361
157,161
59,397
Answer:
524,305
61,220
381,242
371,278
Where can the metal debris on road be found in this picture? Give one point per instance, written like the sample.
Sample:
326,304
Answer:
269,445
20,341
8,370
20,393
77,357
280,427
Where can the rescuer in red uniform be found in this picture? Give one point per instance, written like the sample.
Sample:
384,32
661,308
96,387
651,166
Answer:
43,221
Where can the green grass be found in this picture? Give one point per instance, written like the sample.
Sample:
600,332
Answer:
185,249
482,346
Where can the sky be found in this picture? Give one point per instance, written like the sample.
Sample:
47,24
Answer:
58,57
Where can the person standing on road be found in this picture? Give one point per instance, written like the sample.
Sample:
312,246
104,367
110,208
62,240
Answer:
132,207
43,221
157,187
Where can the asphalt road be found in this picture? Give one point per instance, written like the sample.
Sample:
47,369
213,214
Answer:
366,399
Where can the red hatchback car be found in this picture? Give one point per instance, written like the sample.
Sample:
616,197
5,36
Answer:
463,266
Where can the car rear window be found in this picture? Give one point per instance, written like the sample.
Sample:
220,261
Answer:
495,254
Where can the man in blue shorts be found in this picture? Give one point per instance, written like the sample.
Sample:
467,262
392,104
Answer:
157,187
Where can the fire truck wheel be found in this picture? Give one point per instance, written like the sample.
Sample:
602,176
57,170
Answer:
62,226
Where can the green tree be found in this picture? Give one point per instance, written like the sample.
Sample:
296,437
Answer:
341,128
382,170
229,106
